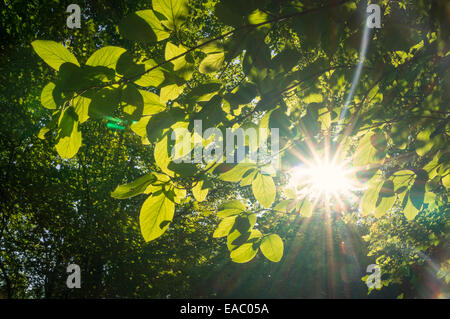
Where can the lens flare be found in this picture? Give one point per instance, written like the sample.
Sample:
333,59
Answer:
324,179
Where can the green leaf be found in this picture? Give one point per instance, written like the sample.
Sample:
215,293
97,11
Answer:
244,253
152,104
170,92
305,208
248,177
384,205
236,239
386,198
313,98
417,192
106,56
42,132
161,155
143,26
446,181
370,197
156,215
53,53
227,12
66,122
257,17
134,188
199,191
211,63
175,11
410,211
230,208
159,123
204,92
283,206
68,146
180,194
47,98
81,105
402,179
171,52
423,141
272,247
367,153
236,173
140,127
264,190
224,227
147,78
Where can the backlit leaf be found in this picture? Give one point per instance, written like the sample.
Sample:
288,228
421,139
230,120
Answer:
264,190
134,188
53,53
156,215
272,247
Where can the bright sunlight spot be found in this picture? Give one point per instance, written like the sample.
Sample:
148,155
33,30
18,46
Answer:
322,178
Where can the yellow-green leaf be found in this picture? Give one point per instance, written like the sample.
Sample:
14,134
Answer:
152,104
224,227
170,92
81,105
171,52
366,152
237,172
134,188
140,127
47,98
264,190
106,56
175,11
232,207
143,26
53,53
211,63
306,208
68,146
161,155
272,247
243,253
410,211
199,191
156,215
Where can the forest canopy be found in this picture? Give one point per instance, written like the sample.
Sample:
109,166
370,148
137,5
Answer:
173,141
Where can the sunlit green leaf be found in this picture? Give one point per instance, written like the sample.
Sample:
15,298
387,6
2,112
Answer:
143,26
211,63
106,56
156,215
162,156
81,105
170,92
134,188
47,99
272,247
264,190
230,208
68,146
53,53
224,227
237,172
199,191
175,11
243,253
